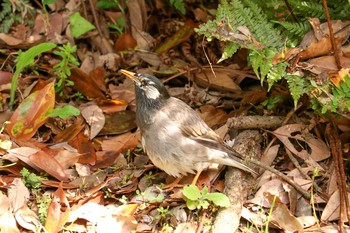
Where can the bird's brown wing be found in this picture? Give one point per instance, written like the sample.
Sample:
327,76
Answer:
190,122
194,127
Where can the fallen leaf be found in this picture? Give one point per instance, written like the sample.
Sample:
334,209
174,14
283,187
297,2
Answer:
85,148
122,142
94,117
85,84
28,219
319,150
180,36
119,122
70,132
7,220
281,216
332,210
49,165
112,106
125,42
56,215
18,194
32,113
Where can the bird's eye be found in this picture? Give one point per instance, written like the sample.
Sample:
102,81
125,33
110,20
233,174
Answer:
144,82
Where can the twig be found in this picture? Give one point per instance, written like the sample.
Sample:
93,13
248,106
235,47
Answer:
283,176
336,149
200,226
331,35
297,165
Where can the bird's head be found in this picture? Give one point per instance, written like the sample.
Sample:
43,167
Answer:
149,89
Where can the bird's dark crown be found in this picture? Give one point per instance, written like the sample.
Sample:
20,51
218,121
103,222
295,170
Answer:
146,84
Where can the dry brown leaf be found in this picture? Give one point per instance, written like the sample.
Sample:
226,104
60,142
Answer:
28,219
281,216
125,42
149,57
120,219
124,91
7,220
99,75
212,115
49,164
32,113
223,80
307,221
269,155
112,106
56,217
332,209
18,194
138,17
85,148
22,153
274,187
85,84
94,117
71,132
319,48
109,60
327,64
122,142
319,150
66,158
8,41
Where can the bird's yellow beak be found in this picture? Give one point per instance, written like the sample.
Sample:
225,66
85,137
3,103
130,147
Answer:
130,75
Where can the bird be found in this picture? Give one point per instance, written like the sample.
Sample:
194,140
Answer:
173,135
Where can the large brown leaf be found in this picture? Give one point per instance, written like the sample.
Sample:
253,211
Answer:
32,113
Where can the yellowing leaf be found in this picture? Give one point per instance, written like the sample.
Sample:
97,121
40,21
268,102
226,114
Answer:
32,113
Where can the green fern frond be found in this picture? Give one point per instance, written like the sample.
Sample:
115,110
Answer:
298,29
298,86
311,8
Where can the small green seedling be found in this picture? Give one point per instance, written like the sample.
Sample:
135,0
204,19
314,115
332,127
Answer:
196,199
163,212
31,180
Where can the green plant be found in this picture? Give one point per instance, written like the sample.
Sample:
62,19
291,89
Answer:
271,102
196,199
330,97
162,212
179,5
146,197
43,202
260,27
79,25
314,174
65,112
119,26
270,214
13,12
64,67
24,60
31,180
108,4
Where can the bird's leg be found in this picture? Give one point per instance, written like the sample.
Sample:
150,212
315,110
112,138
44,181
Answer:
173,184
195,179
